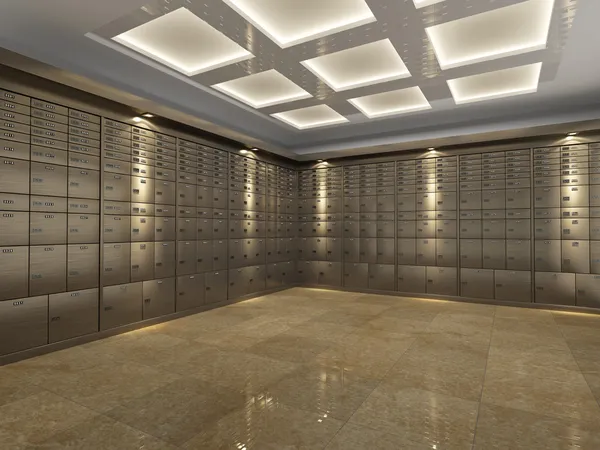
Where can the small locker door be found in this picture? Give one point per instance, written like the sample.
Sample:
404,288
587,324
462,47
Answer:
219,255
445,229
407,229
164,229
494,229
48,179
385,203
574,196
72,314
121,305
190,292
368,250
215,286
368,204
83,266
318,249
219,229
330,273
117,228
334,205
385,251
368,229
576,256
14,228
47,269
407,253
165,193
412,279
204,256
164,259
117,187
186,257
494,253
426,201
547,197
513,286
547,228
116,264
187,229
382,277
548,256
385,229
204,196
406,202
471,229
356,275
237,283
575,228
142,190
142,261
48,228
493,199
518,198
186,194
142,228
351,250
471,253
334,249
477,283
518,229
518,254
220,198
274,276
426,228
588,290
83,183
426,252
256,277
441,280
14,176
471,200
446,253
23,323
159,298
555,288
446,201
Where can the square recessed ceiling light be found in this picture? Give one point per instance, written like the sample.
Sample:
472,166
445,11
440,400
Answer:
391,103
355,67
263,89
424,3
291,22
184,42
311,117
498,84
502,32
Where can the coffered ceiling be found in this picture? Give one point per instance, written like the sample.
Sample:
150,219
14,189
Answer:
321,77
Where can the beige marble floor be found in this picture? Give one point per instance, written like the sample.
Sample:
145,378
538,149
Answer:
317,369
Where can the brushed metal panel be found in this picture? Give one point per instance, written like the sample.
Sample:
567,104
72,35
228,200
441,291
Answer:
47,269
47,228
117,228
548,256
142,261
159,298
83,228
83,266
14,228
186,229
14,107
14,272
73,314
23,324
121,305
514,286
117,265
164,210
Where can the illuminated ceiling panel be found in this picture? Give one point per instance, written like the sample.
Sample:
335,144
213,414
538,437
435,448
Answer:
311,117
391,103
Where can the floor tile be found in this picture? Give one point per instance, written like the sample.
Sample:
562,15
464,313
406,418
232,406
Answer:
290,348
13,388
355,437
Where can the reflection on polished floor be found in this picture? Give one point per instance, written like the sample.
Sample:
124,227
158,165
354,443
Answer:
317,369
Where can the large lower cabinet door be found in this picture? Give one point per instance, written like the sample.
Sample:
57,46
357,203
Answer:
576,256
121,305
512,286
412,279
190,292
356,275
555,288
73,314
442,280
548,256
274,276
23,324
215,286
382,277
307,272
237,283
588,290
256,278
159,297
477,283
330,273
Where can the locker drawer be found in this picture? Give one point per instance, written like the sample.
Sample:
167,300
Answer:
73,314
471,253
14,228
83,266
14,272
164,259
412,279
477,283
117,228
83,228
576,256
494,254
518,254
382,277
356,275
84,183
48,179
121,305
588,290
555,288
23,324
142,261
441,281
47,269
548,256
215,286
117,187
117,265
513,286
158,297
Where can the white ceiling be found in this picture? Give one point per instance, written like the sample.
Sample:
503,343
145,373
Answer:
322,77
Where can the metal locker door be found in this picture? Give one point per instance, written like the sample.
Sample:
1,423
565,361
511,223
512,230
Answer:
576,256
547,228
494,229
574,196
494,253
470,229
334,228
382,277
351,229
272,204
303,273
204,256
548,256
219,198
273,251
412,279
446,253
117,265
117,187
48,179
121,305
47,269
83,266
407,251
446,201
426,201
426,252
588,290
186,194
142,190
288,272
186,257
351,250
368,250
159,298
407,229
385,229
518,254
142,228
304,249
142,261
406,202
83,228
547,197
255,279
555,288
219,230
190,292
164,229
215,286
356,275
368,204
518,229
385,203
595,229
274,276
368,229
219,255
334,249
471,253
318,249
471,200
426,228
14,228
14,176
187,229
514,286
23,324
334,205
330,273
14,272
575,229
385,251
165,192
318,206
477,283
47,228
445,229
72,314
518,198
441,280
594,193
164,259
493,199
204,197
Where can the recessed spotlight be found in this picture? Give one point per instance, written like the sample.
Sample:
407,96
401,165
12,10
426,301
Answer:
320,160
431,149
137,119
243,152
572,134
148,115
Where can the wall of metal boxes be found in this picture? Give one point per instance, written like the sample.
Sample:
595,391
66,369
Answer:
104,224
